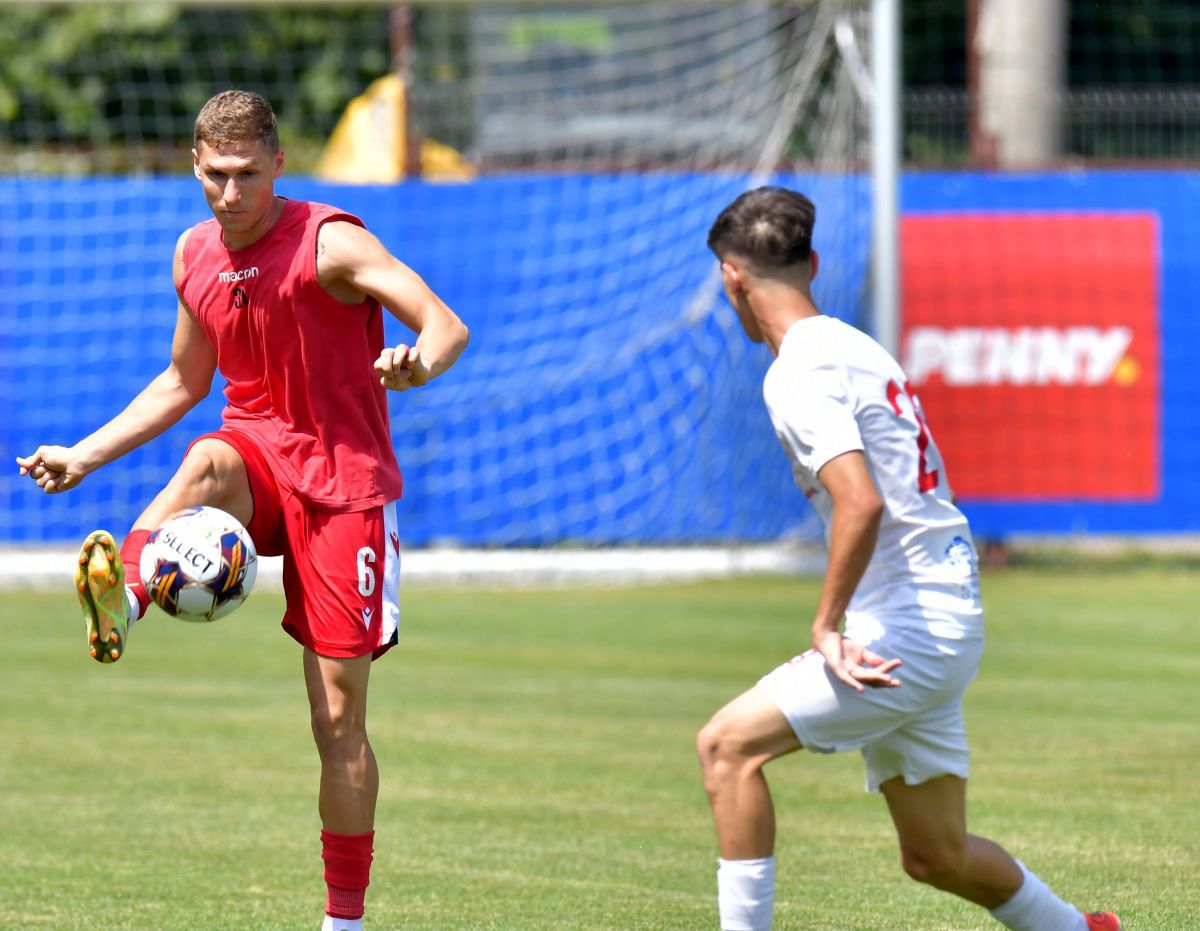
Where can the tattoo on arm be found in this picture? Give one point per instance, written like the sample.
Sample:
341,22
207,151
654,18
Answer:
320,248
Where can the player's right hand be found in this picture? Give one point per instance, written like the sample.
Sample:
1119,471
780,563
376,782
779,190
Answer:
854,664
54,468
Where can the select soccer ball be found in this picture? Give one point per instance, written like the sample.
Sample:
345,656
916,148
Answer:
199,564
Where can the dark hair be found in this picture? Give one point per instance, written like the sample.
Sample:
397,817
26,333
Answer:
237,116
771,227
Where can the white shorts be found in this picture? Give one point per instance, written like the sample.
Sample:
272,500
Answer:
915,731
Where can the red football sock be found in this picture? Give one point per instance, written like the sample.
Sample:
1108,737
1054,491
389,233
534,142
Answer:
347,872
131,556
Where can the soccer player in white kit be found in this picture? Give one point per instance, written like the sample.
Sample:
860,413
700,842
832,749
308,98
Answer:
903,575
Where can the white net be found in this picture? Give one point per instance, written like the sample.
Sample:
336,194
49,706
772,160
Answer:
608,395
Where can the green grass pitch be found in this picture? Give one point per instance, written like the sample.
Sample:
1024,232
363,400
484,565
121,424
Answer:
538,764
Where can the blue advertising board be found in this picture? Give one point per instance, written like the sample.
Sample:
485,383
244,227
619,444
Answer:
608,395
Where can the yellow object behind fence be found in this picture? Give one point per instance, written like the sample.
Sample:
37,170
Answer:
368,144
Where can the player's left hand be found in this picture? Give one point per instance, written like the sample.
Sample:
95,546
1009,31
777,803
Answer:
402,368
853,664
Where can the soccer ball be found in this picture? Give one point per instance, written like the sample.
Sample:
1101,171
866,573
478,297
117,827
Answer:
199,564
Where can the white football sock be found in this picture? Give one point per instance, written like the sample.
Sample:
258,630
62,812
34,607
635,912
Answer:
133,607
1036,908
746,894
342,924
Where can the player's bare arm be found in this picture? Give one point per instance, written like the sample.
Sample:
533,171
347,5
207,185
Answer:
352,262
857,510
180,387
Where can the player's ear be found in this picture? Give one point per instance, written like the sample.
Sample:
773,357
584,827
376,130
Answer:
196,164
731,277
813,261
277,170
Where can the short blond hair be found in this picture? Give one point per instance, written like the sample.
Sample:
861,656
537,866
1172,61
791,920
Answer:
237,116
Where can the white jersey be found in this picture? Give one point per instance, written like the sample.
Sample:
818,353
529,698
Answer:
833,389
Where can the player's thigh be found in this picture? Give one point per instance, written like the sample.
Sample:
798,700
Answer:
827,715
931,816
230,489
750,727
931,742
213,474
341,578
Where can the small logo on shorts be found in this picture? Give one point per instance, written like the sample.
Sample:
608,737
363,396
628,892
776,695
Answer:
960,554
366,616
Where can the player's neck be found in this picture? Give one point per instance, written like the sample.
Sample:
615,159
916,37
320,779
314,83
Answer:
235,239
778,313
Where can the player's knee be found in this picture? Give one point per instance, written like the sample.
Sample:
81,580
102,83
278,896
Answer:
337,732
937,867
709,744
721,753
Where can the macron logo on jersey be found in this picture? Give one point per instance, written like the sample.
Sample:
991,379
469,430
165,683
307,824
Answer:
240,275
968,356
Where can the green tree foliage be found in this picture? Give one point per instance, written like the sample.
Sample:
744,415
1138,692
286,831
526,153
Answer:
1132,43
120,82
1136,43
114,87
934,42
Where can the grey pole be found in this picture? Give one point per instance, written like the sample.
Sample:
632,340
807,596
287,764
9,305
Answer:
885,172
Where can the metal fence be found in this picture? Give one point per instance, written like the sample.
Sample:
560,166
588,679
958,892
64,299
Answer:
1102,126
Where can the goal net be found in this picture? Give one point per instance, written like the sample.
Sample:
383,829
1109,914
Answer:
608,395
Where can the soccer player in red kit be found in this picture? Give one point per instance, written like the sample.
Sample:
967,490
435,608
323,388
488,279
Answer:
285,299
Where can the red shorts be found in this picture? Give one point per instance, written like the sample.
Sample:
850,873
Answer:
341,570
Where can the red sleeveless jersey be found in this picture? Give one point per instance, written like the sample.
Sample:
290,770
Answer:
298,363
